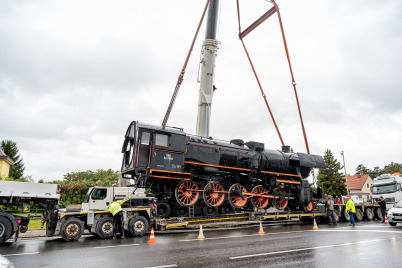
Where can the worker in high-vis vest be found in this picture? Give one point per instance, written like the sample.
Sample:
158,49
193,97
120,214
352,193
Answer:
116,210
350,208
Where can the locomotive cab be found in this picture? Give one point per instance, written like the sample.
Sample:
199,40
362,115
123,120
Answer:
148,148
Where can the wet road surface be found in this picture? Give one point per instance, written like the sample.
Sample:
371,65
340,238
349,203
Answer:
369,244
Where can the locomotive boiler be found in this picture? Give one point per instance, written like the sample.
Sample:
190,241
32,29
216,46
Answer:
183,171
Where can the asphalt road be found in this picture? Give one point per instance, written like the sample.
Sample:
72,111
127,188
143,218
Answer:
369,244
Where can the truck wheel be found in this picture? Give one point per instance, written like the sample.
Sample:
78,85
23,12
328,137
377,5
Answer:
104,227
226,210
163,210
345,216
138,226
359,214
5,229
392,223
72,229
368,213
377,213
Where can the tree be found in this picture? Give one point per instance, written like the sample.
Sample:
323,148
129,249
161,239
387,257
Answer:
330,177
361,169
11,150
392,168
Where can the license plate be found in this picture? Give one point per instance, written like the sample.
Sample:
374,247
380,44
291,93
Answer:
398,217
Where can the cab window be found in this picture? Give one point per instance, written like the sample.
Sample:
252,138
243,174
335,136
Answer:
161,140
145,138
99,194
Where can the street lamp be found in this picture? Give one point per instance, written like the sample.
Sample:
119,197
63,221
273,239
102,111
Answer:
346,176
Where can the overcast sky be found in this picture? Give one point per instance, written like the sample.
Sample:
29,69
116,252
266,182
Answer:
74,74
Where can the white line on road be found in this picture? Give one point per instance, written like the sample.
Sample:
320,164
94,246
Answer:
31,253
237,236
304,249
129,245
169,265
366,231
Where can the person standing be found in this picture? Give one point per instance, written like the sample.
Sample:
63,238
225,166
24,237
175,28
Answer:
116,210
350,209
383,207
330,210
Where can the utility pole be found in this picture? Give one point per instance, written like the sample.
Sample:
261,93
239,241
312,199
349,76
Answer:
346,176
208,55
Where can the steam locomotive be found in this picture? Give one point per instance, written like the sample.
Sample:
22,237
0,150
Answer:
215,176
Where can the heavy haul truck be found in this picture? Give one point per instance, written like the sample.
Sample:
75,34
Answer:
70,225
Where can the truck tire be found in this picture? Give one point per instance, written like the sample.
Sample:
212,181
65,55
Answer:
359,214
377,213
138,226
368,214
226,209
5,229
163,210
392,223
345,216
181,211
104,227
336,216
72,229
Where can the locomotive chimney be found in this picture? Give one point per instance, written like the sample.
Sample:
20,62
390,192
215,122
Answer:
286,148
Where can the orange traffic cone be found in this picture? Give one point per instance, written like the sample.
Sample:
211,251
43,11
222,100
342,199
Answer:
386,220
315,225
201,234
261,231
152,238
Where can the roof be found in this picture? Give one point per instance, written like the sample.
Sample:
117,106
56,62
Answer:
356,182
3,156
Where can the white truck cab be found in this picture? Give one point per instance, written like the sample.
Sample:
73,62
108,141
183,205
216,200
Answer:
389,187
99,198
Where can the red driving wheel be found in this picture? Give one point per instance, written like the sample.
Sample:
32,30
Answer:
282,202
236,196
212,195
260,202
187,193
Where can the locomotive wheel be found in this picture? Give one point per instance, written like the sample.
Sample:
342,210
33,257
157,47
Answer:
281,203
211,197
259,201
187,193
309,207
236,196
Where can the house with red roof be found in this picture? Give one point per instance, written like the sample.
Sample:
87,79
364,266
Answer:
359,185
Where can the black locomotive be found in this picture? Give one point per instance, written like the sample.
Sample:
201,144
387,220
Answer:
183,171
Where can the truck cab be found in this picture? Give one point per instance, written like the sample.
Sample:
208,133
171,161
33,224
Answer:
389,187
99,198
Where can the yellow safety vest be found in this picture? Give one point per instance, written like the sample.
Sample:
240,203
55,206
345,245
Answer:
350,206
115,207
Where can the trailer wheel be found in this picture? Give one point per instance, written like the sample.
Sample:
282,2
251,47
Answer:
5,229
181,211
336,216
138,226
368,213
226,210
104,227
208,211
359,214
392,223
163,210
345,216
72,229
377,213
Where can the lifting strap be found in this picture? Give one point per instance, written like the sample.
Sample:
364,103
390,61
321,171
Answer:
247,31
183,70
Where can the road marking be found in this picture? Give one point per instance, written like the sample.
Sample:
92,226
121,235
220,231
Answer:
31,253
169,265
366,231
237,236
304,249
129,245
